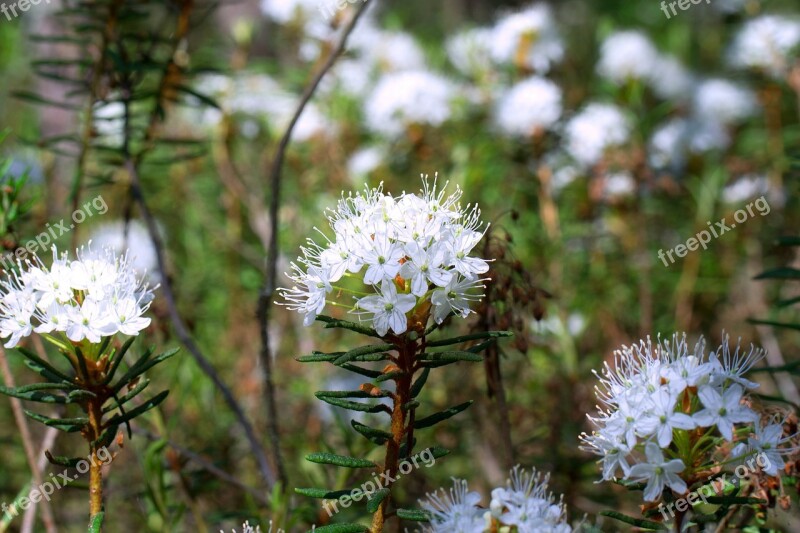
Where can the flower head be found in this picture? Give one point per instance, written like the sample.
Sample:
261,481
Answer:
405,251
652,399
96,295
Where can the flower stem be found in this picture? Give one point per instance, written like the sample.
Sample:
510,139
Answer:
407,350
95,411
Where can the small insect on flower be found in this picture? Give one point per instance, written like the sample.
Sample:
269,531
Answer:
94,296
397,256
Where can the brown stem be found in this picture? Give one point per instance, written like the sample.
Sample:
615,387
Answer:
402,396
95,411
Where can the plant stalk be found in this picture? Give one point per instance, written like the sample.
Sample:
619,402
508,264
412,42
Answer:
402,396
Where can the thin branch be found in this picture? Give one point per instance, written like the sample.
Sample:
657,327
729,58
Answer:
28,445
268,290
183,333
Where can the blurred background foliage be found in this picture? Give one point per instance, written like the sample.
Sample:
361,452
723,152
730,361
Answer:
577,246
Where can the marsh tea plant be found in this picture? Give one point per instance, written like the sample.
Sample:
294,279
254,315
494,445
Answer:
400,266
86,307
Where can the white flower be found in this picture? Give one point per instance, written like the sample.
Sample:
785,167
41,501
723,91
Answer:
365,161
529,106
389,309
734,365
767,443
382,258
663,418
526,503
132,237
455,511
614,450
723,101
723,409
670,80
402,99
618,185
284,11
93,296
528,39
627,55
593,130
470,51
456,298
745,188
409,244
658,473
86,322
424,266
765,43
386,51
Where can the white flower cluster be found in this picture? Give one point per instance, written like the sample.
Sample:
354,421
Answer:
655,392
94,296
407,250
523,505
766,43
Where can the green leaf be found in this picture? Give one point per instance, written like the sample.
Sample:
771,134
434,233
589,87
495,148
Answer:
416,515
389,376
376,436
96,523
354,406
69,462
372,374
413,404
340,528
139,410
780,273
139,369
416,388
638,522
776,324
733,500
374,501
42,367
319,357
452,356
471,337
352,326
434,419
68,425
347,394
118,403
339,460
789,240
323,494
207,100
362,350
36,99
34,396
435,451
116,358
